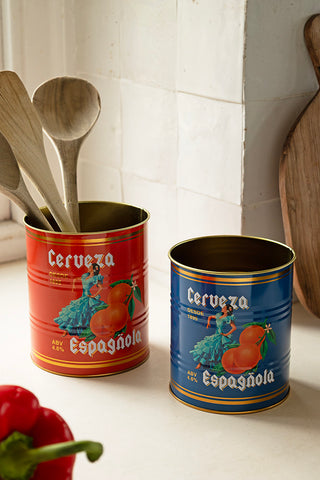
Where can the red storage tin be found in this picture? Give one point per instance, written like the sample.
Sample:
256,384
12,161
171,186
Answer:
88,292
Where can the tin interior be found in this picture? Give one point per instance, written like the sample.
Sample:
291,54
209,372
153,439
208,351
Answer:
103,216
237,254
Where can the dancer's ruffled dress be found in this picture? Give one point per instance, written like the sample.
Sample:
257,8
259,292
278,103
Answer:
209,351
75,317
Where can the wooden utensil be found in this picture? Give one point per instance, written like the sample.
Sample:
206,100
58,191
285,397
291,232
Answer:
68,109
300,186
20,124
13,186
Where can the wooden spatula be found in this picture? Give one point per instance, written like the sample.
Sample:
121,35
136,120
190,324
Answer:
299,184
20,124
12,185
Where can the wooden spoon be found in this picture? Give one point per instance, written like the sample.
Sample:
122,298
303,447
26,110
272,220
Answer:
68,108
13,186
20,124
300,186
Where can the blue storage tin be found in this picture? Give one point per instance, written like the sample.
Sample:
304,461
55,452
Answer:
231,299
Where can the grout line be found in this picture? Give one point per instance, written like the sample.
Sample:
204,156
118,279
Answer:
121,143
243,116
209,197
209,98
184,92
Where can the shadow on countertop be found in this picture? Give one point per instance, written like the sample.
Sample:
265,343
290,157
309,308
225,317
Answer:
153,374
299,411
301,317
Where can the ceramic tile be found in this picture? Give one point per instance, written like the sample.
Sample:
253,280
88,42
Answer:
277,61
148,42
149,123
36,42
97,182
210,147
211,48
160,200
103,144
4,208
97,36
264,220
267,126
199,215
13,243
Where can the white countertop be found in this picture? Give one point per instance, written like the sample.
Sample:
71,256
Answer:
145,431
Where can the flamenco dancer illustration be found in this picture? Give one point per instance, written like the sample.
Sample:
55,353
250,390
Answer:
208,352
75,317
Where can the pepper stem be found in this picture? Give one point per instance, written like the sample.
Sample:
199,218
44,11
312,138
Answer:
18,460
93,451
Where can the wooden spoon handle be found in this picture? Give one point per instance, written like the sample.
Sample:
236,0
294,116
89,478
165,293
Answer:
312,40
68,153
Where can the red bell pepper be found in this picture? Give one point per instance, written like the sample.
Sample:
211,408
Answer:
31,437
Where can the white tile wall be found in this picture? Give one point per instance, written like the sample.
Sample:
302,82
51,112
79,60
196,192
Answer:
200,215
97,41
197,97
148,32
210,147
99,182
149,132
104,143
210,48
37,36
277,62
4,208
263,220
161,201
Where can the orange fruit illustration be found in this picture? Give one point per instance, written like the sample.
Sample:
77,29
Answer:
119,293
99,326
252,334
228,362
110,320
247,356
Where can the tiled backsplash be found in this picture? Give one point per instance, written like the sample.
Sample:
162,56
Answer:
197,99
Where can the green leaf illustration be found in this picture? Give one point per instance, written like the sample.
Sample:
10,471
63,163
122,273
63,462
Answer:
264,349
123,330
218,369
137,293
272,336
131,307
87,335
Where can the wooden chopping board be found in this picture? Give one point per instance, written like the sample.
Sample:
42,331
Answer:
299,183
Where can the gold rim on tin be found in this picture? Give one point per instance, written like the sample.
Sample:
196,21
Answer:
99,217
222,412
231,255
74,375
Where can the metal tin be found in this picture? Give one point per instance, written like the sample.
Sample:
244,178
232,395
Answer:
88,292
231,300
